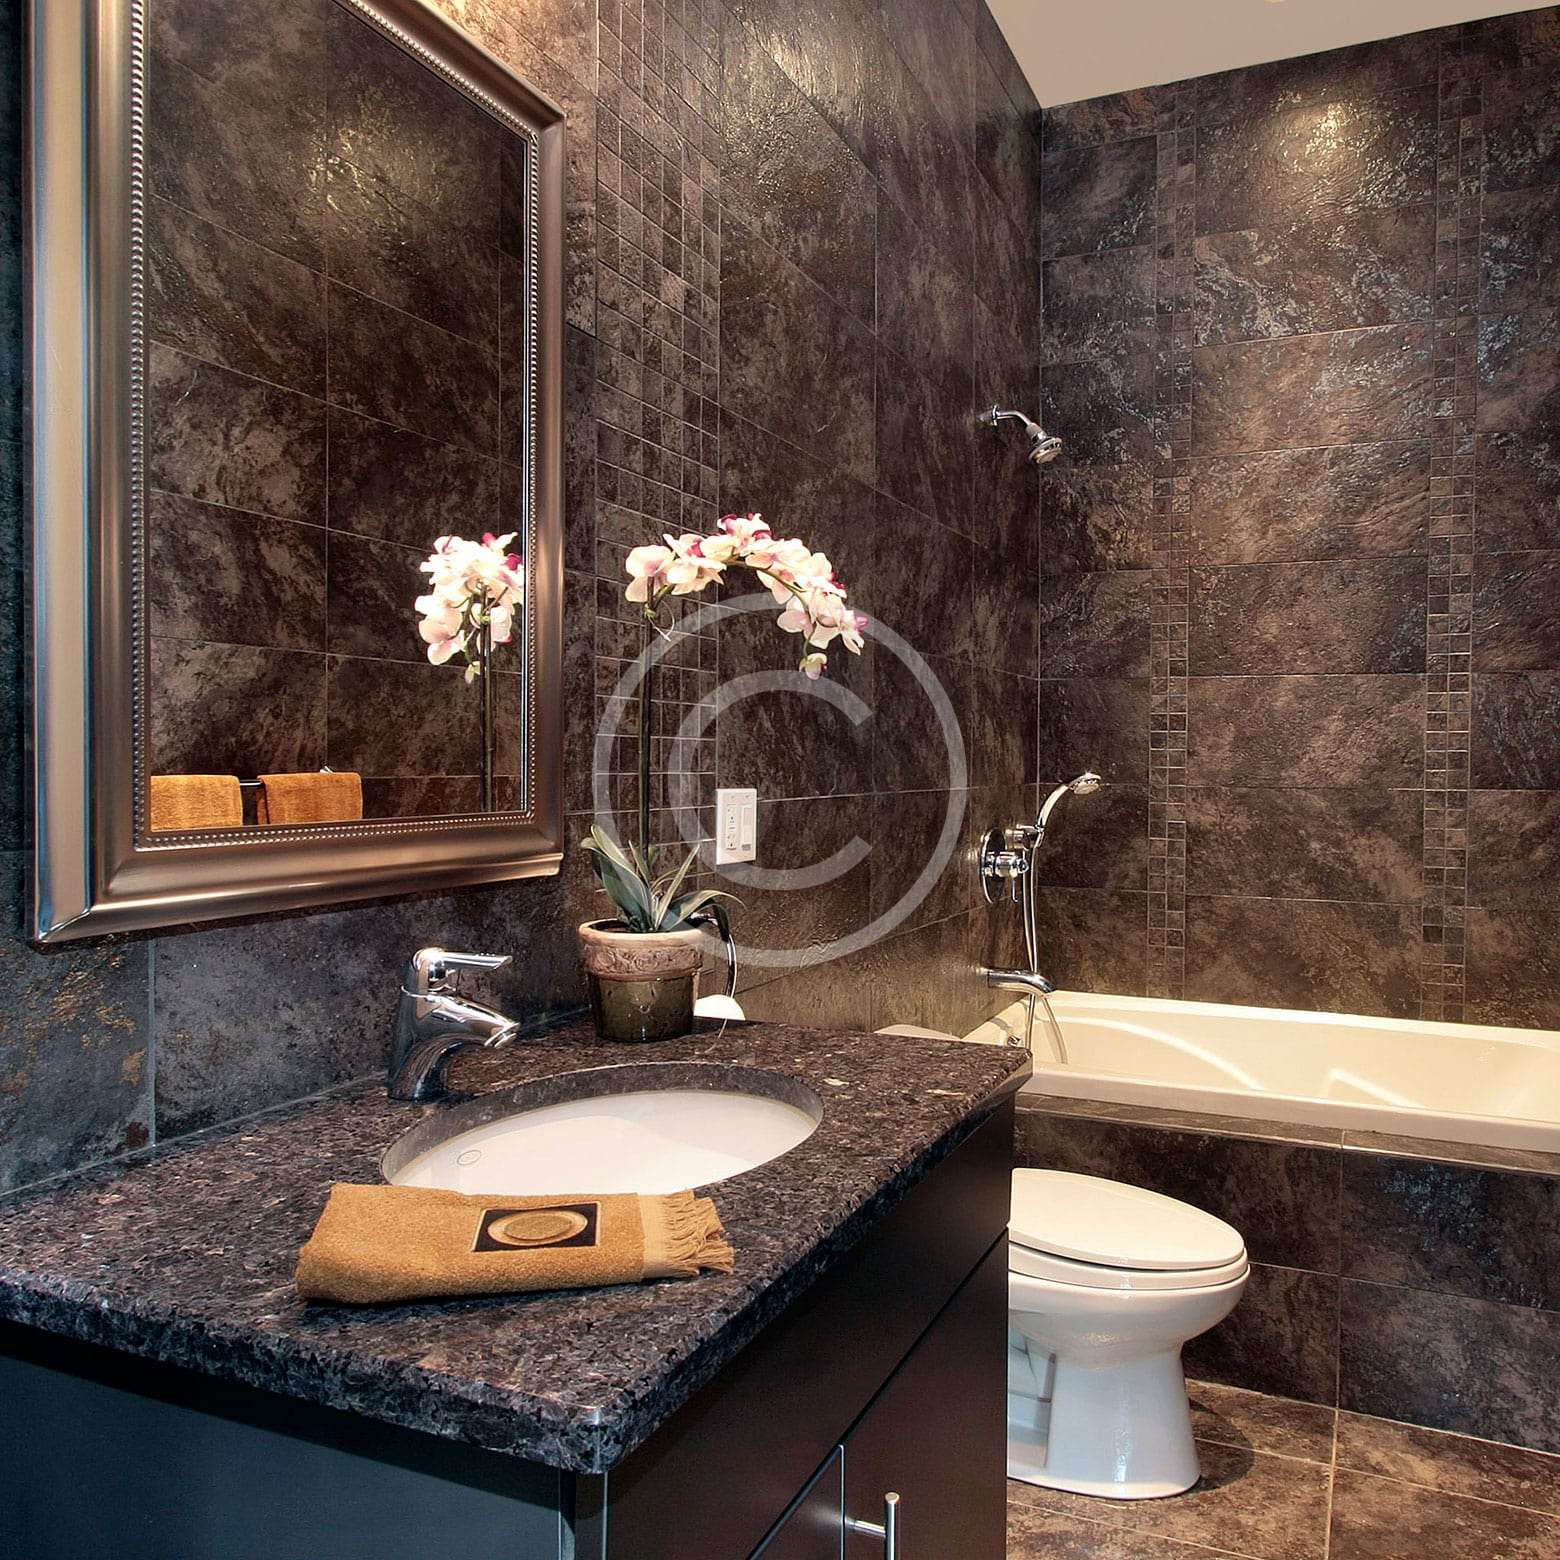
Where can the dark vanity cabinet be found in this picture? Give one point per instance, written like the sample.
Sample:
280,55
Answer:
936,1435
887,1374
933,1439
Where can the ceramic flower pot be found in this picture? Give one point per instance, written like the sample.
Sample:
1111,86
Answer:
642,984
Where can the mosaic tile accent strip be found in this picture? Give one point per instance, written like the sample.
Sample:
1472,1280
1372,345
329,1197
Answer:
657,386
1170,588
1449,579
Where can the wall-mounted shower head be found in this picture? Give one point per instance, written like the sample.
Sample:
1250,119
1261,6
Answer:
1043,447
1083,785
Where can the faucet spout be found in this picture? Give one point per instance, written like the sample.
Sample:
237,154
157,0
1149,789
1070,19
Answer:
433,1021
1019,980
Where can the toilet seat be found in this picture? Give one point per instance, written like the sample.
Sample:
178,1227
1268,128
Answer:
1097,1234
1024,1263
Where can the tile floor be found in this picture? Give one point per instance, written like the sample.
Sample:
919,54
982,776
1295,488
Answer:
1292,1481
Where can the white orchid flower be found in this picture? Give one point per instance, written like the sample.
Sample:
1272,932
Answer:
647,566
691,568
472,586
442,628
802,581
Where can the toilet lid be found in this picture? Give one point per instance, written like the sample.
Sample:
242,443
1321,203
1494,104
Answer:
1118,1226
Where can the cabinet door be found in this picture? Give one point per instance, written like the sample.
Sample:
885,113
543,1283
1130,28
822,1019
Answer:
936,1435
815,1528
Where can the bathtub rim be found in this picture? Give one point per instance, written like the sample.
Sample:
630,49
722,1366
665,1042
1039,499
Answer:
1468,1130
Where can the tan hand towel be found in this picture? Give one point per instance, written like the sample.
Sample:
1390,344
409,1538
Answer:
196,802
376,1243
320,797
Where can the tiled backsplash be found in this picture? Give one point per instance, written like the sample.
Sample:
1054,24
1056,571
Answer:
1299,570
799,257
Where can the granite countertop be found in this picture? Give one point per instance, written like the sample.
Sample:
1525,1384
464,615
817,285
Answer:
185,1254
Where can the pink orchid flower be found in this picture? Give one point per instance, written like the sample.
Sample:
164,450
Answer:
691,568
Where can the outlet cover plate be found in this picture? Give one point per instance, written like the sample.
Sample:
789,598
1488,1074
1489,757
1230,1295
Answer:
736,825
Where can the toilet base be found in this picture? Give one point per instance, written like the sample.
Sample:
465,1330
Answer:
1131,1419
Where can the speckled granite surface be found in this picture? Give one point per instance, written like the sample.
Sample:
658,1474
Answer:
187,1254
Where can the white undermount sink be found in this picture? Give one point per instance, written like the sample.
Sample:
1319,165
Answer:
621,1136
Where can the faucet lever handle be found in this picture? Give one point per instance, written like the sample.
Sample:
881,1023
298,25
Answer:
430,969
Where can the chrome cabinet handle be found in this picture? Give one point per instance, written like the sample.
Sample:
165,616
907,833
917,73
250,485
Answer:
887,1529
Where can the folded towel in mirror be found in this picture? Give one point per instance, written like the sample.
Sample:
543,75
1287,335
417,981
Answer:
195,802
379,1243
323,796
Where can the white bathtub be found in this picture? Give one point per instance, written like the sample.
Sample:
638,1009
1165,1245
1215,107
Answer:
1458,1082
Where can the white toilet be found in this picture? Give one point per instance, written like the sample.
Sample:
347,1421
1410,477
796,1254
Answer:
1105,1284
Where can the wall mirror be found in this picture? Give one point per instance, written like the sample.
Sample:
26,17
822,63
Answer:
296,317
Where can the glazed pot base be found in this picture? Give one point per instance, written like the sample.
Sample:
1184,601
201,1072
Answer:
660,1008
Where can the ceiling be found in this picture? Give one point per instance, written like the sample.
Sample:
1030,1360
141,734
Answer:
1073,49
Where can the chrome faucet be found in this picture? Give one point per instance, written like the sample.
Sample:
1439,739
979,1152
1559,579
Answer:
433,1021
1038,989
1019,980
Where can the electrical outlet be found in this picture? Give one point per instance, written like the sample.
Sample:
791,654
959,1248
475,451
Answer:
736,826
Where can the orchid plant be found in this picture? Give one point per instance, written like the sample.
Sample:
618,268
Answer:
646,897
802,581
474,590
813,604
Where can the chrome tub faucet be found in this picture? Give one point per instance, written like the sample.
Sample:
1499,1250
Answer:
1033,983
433,1021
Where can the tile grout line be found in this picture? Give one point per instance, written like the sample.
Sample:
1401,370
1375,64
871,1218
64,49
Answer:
1456,1495
1261,1451
1332,1488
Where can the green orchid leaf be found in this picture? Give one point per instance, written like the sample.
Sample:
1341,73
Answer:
678,912
604,845
674,881
644,861
716,912
627,892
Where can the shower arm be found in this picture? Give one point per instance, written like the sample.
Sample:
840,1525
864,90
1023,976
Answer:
1001,414
1043,448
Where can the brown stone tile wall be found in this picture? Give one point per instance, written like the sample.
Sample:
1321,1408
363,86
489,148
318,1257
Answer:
800,255
1301,340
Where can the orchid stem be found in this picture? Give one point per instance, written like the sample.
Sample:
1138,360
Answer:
646,700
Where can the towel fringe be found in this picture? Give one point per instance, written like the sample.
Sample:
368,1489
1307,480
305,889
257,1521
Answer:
684,1236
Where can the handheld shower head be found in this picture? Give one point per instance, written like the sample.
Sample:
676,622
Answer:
1043,447
1082,785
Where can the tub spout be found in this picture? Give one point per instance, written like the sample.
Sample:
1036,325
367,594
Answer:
1019,980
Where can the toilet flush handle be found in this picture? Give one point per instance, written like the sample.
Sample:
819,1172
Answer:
887,1529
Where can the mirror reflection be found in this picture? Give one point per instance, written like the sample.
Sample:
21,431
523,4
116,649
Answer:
337,440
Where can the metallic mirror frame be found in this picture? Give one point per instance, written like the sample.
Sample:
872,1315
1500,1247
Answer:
96,868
